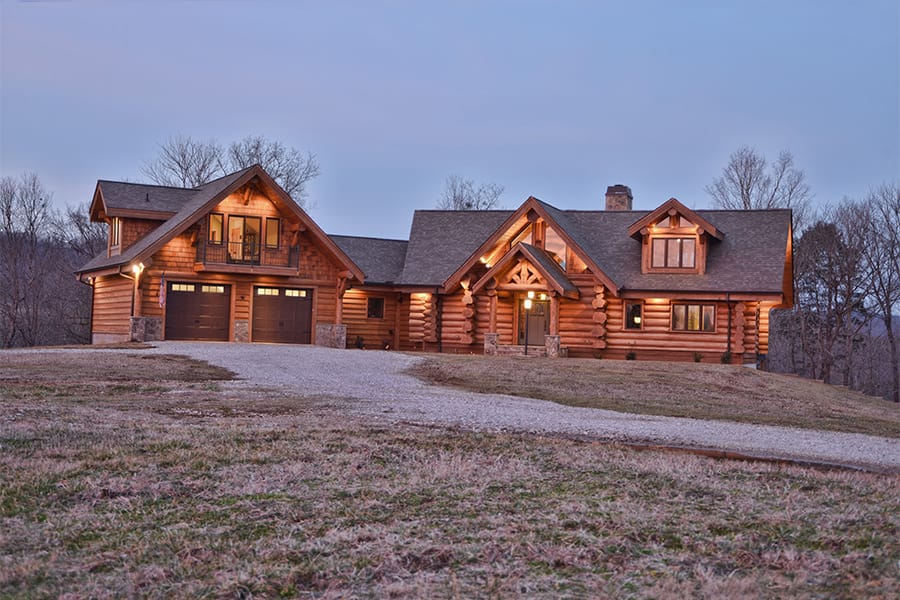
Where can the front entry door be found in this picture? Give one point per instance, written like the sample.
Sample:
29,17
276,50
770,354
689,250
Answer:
537,320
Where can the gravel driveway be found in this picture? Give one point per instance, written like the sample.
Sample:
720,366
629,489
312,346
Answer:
372,384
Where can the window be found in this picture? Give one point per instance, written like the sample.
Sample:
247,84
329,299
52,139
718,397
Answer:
693,317
115,231
216,227
524,236
375,308
673,253
273,228
634,315
556,246
295,293
265,291
182,287
212,289
244,238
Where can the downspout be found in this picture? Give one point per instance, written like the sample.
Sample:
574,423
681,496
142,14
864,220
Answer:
728,302
437,319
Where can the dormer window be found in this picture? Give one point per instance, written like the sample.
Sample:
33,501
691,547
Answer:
674,253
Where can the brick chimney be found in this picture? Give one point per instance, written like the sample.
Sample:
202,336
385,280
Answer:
618,197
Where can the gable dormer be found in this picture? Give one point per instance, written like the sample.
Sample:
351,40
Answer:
674,239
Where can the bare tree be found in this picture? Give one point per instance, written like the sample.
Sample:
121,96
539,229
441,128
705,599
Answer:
461,194
185,162
746,184
290,167
881,211
85,238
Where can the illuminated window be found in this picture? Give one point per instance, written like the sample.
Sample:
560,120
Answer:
267,291
693,317
375,308
524,236
555,245
673,253
212,289
216,227
273,228
115,231
634,318
182,287
295,293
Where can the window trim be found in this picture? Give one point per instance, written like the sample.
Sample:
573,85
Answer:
374,307
702,306
115,232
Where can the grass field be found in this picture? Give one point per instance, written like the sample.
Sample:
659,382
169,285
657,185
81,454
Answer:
703,391
145,476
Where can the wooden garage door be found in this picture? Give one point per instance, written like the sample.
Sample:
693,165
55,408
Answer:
198,311
282,315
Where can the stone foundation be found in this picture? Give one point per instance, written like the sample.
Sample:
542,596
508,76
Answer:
331,335
146,329
491,341
241,330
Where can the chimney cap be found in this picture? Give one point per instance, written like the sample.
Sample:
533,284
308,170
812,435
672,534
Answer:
618,189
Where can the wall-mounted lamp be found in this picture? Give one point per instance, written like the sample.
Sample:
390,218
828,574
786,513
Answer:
637,320
531,294
543,296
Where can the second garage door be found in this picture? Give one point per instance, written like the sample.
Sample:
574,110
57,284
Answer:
282,315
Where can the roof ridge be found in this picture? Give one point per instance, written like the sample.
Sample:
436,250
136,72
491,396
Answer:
155,185
367,237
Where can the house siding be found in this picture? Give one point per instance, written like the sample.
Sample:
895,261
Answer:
111,309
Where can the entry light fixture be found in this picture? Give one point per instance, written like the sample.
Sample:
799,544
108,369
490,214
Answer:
531,295
137,268
543,296
528,303
637,320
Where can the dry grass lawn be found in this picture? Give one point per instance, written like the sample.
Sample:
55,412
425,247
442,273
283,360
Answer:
703,391
124,475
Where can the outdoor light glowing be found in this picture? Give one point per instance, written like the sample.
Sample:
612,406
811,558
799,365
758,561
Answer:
637,320
528,303
543,296
531,294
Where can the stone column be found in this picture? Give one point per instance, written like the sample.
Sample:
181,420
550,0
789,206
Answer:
491,340
551,343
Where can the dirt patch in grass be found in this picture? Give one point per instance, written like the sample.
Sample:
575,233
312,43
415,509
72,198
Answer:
199,489
703,391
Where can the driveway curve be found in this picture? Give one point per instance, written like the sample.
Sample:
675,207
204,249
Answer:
372,384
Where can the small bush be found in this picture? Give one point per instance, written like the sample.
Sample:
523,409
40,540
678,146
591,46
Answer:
698,357
726,357
631,356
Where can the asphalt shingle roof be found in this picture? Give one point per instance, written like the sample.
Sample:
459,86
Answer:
119,195
380,259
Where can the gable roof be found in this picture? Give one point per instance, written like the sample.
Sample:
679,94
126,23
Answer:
672,207
122,199
202,200
541,260
380,259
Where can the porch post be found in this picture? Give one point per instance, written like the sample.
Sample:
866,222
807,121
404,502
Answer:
554,313
492,321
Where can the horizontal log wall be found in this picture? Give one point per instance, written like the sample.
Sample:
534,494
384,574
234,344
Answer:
111,310
375,332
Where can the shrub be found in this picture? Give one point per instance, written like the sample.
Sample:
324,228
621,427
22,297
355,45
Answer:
726,357
631,356
698,357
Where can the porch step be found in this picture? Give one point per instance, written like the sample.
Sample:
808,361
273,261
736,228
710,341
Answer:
519,350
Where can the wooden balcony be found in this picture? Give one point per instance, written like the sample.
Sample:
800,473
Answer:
246,257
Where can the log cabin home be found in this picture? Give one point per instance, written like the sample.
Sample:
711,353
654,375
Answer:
238,260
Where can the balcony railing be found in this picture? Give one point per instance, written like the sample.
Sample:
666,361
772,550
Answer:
247,253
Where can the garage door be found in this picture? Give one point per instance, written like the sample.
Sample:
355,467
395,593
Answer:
197,311
282,315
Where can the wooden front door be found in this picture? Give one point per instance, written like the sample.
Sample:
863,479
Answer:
537,320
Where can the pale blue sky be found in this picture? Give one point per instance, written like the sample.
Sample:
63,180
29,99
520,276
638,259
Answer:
551,99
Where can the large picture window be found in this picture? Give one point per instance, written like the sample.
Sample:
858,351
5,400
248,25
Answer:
693,317
673,253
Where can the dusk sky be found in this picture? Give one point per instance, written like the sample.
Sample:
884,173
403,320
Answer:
552,99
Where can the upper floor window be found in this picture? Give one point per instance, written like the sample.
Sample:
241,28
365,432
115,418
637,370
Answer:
673,253
555,245
273,229
115,231
216,228
524,236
